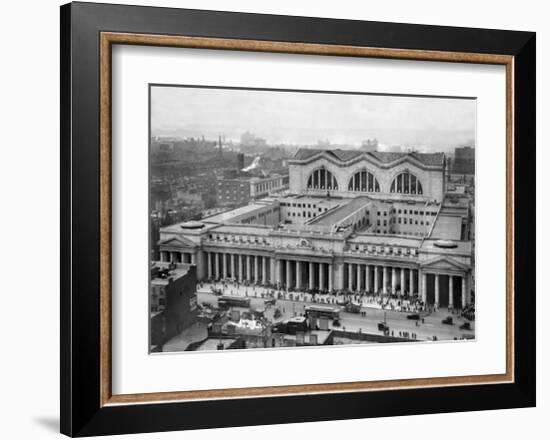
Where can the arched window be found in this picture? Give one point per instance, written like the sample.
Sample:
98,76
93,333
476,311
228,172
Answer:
406,183
321,178
363,181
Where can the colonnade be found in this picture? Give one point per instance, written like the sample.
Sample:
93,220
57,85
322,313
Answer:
373,278
355,277
238,267
438,277
177,257
300,274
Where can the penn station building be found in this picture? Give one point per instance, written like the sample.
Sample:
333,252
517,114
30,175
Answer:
369,222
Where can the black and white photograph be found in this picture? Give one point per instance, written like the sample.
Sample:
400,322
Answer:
289,218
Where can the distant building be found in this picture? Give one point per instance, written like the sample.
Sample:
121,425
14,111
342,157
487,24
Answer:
240,191
173,299
369,145
464,162
251,143
240,161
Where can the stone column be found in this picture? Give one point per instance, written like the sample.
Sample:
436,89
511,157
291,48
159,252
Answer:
278,269
423,292
193,259
321,276
358,276
393,280
375,268
385,279
451,299
464,291
233,277
402,288
436,289
264,270
311,274
298,275
224,265
288,280
411,281
241,267
217,264
330,277
340,283
273,270
256,271
350,277
248,271
209,264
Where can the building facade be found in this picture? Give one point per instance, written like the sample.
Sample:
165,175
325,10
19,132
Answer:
172,302
357,221
464,161
241,190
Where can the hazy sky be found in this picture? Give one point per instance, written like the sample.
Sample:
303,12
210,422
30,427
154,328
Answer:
304,118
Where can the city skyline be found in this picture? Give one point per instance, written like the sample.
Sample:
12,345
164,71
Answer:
299,118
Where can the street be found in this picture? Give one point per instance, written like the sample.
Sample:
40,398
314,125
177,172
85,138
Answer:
354,322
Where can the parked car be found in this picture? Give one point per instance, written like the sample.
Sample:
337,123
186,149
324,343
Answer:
466,326
415,316
448,320
383,326
352,307
270,301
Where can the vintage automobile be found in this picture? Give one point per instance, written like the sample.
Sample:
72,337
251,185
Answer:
448,320
414,316
270,301
383,326
352,307
465,326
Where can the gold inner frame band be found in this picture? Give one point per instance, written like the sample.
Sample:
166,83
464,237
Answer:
108,39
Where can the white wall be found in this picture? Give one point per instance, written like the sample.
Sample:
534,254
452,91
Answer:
29,169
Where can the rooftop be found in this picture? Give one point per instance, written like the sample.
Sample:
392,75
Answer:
338,214
244,229
390,240
430,159
192,334
166,272
231,215
462,247
447,227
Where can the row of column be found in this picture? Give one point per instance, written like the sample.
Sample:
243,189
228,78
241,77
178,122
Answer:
381,279
177,257
238,267
464,297
317,275
304,274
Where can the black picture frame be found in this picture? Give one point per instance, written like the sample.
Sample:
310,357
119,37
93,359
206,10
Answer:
82,413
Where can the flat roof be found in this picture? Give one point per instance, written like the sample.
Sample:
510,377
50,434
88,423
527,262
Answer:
194,333
339,214
389,240
447,227
177,272
243,229
228,215
462,247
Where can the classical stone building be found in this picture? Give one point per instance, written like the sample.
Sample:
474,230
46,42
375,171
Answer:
353,220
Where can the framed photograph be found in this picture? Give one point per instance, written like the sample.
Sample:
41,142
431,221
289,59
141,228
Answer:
271,219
